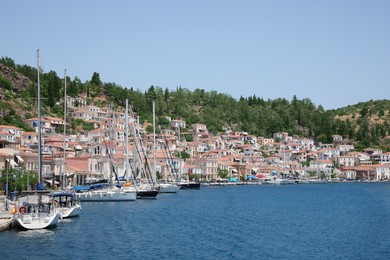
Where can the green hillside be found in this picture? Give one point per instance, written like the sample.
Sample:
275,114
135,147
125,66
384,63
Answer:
364,124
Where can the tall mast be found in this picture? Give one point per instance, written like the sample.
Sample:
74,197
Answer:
180,166
110,142
137,148
39,125
127,142
154,144
135,151
63,182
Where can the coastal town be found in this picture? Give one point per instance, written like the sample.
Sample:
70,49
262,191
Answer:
238,155
86,165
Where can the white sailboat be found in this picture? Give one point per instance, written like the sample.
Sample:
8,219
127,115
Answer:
64,201
167,187
107,194
36,210
145,183
186,184
66,204
110,193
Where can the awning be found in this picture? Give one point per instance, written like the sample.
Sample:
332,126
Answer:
260,176
12,162
78,147
20,160
251,177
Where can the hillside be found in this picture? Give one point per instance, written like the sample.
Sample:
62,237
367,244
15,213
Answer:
364,124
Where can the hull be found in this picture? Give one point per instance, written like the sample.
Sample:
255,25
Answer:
30,221
37,212
190,186
147,194
169,188
106,195
66,204
70,212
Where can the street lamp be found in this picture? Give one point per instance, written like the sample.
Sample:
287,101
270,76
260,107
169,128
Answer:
28,181
6,187
15,182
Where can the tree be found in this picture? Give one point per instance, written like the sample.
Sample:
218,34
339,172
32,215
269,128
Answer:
183,155
95,80
18,179
222,173
53,87
8,62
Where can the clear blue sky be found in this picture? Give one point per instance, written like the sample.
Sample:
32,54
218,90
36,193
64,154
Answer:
334,52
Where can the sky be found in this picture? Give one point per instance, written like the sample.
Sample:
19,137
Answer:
334,52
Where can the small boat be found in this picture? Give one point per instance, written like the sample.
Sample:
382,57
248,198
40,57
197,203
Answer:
67,204
36,212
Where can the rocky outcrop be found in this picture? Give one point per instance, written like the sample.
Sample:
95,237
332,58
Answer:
19,81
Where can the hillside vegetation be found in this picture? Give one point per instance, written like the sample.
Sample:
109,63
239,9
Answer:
364,124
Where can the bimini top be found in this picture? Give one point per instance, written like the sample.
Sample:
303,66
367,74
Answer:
81,188
64,194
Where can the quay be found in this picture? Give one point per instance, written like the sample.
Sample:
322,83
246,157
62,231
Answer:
5,216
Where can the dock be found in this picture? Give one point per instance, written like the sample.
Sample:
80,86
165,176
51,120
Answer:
5,216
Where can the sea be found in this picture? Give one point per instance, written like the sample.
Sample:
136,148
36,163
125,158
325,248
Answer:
297,221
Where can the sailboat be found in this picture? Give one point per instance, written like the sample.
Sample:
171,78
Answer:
36,210
106,193
65,201
169,185
66,204
186,184
145,184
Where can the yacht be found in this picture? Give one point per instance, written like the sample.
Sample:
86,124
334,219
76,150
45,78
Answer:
36,211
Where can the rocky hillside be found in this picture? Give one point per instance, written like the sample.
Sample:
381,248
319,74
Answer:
15,106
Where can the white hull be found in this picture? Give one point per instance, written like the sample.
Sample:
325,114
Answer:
169,188
37,220
66,204
107,195
36,212
70,212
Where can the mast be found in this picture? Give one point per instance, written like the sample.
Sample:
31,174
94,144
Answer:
154,144
127,142
39,125
180,165
135,151
63,182
109,151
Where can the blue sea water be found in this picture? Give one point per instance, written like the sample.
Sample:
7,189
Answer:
304,221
